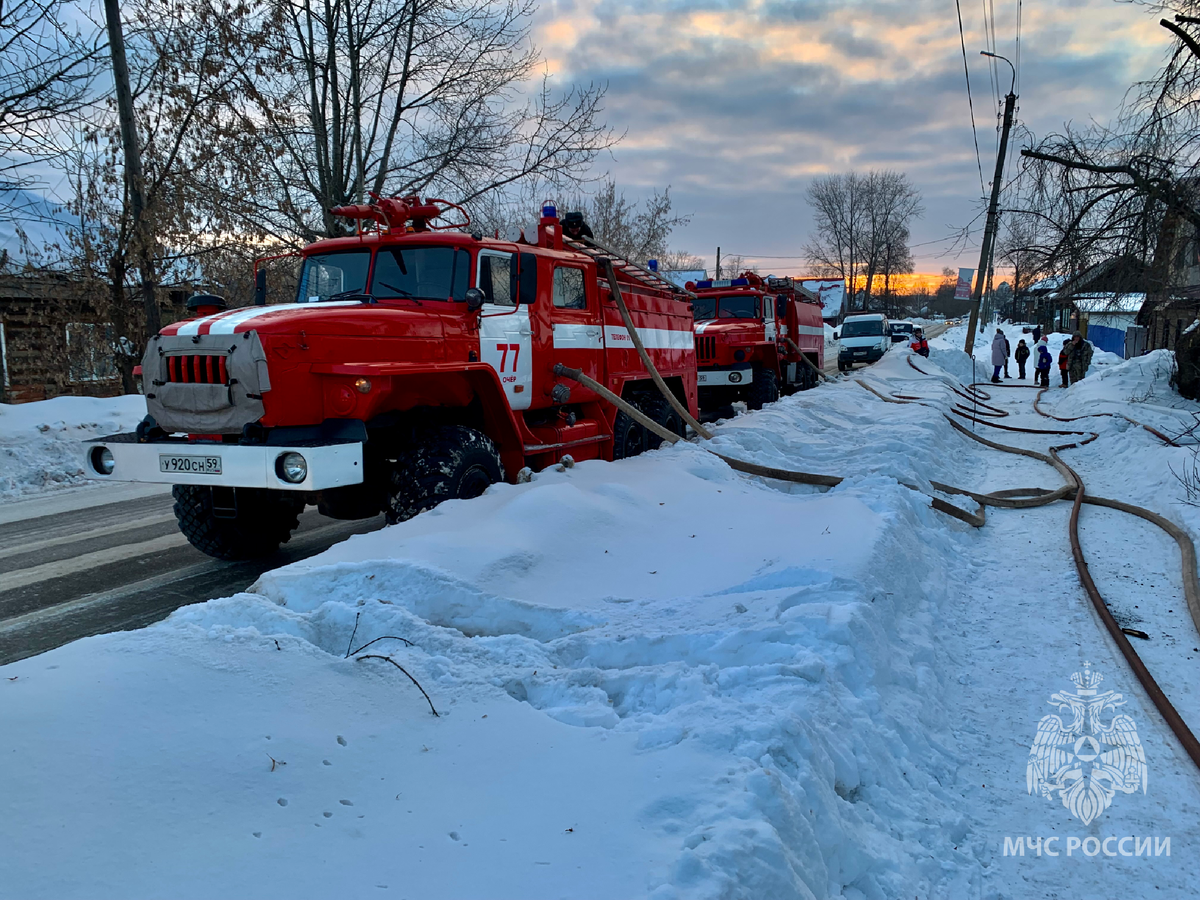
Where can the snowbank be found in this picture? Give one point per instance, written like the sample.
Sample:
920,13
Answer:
40,442
656,678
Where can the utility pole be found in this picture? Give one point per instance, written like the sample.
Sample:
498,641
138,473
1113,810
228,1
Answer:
718,264
989,232
134,180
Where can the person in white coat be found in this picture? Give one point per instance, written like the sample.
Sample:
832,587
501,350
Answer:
999,354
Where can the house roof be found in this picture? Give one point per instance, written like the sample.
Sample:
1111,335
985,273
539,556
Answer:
831,292
1049,283
1109,302
683,276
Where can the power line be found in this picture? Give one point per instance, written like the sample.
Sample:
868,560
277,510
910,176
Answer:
970,103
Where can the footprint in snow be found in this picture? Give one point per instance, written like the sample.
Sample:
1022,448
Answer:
341,740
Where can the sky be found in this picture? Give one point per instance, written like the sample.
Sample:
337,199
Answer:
737,105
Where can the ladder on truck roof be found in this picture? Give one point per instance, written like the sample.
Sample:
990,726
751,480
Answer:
628,268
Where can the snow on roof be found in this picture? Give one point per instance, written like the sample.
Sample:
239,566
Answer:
831,291
683,276
1049,283
1109,302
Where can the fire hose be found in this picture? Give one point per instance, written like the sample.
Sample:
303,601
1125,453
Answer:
1018,498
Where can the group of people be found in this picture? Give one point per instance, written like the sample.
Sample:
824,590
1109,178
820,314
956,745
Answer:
1073,359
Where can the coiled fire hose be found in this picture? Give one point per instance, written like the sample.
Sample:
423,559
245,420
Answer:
1018,498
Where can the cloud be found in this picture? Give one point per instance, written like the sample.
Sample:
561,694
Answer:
738,104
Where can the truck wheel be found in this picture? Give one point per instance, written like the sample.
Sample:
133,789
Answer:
764,389
629,438
451,462
260,521
661,411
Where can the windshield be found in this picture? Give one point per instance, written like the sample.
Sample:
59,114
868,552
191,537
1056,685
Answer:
741,306
867,328
902,328
424,273
326,275
704,308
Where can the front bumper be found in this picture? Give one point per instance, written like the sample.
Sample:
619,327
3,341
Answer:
330,464
721,376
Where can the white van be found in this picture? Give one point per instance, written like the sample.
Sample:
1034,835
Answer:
863,339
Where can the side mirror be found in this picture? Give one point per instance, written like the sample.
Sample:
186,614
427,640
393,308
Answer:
475,299
835,335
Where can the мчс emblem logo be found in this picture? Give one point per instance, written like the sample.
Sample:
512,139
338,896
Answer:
1084,761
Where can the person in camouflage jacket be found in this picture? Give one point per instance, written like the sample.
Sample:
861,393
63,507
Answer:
1079,357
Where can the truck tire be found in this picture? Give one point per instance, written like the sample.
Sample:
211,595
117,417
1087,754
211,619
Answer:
264,519
764,389
661,411
450,462
629,438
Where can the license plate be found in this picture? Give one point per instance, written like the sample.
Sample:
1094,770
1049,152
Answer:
189,465
860,352
702,378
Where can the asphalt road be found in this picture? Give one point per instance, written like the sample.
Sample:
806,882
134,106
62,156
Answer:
111,558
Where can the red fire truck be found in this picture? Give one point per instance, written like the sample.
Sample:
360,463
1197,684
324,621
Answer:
416,365
753,337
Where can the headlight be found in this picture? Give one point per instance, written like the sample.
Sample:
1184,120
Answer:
102,460
291,468
735,377
739,355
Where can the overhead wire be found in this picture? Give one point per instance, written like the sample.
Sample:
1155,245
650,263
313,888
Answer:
970,103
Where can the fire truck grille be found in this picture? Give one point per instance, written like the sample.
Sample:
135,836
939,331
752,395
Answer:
706,348
198,368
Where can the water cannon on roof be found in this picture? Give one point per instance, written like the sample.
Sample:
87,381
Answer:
395,213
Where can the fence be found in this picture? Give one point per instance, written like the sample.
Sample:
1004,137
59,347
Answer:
1105,338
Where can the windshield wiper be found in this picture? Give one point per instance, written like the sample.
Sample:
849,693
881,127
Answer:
342,295
401,292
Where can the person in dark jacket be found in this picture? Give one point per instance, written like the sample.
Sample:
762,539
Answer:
1007,355
1079,357
1021,356
1044,359
1037,334
1062,362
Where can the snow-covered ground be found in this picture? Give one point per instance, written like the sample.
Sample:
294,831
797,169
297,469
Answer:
656,678
40,442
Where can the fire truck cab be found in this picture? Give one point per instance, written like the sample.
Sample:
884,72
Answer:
416,366
755,339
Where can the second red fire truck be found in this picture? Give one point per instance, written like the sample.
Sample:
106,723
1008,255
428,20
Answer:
755,339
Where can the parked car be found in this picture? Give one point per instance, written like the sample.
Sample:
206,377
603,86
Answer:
864,339
901,330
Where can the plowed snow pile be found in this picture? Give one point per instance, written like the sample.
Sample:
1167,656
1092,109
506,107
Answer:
40,442
655,678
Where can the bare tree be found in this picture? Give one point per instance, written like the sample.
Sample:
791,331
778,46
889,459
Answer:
46,70
183,65
352,97
861,221
638,231
680,260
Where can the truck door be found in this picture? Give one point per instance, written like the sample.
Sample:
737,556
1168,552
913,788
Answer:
768,307
575,317
505,335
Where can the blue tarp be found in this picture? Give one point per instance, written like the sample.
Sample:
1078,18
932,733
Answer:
1105,338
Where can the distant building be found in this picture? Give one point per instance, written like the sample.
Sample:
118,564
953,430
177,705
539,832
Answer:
832,294
682,276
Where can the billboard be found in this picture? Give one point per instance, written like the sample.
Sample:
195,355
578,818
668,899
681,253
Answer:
962,290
